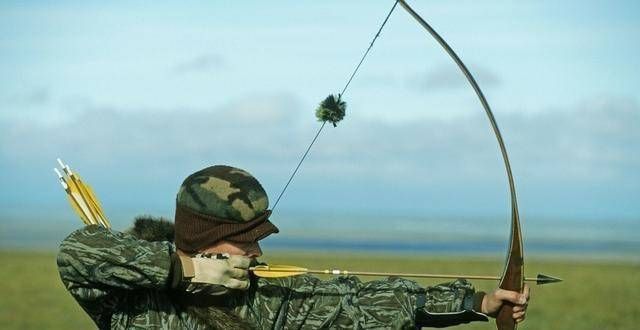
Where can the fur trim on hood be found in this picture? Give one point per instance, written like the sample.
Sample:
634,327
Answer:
152,229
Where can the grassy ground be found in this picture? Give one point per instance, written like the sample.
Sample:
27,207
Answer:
593,296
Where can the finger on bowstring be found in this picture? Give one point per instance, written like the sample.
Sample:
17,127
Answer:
239,261
237,284
238,274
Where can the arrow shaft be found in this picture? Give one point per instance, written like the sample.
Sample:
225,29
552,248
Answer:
359,273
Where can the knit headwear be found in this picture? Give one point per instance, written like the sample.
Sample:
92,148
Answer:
221,203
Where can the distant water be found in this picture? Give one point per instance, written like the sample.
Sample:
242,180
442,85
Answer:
577,249
544,237
581,239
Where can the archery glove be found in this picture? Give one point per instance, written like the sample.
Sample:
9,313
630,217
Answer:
213,274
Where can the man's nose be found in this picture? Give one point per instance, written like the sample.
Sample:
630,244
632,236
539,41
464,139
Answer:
254,252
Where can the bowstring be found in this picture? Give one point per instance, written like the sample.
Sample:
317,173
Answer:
344,90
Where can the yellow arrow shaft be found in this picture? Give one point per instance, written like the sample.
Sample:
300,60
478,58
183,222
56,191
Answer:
285,271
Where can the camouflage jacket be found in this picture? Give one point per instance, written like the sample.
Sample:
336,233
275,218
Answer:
124,283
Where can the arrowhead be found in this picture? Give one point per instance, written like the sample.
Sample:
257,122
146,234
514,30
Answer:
546,279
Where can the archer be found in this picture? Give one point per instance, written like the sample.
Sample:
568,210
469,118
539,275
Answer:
201,280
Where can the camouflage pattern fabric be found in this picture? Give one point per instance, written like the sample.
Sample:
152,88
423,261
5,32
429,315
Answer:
224,192
123,283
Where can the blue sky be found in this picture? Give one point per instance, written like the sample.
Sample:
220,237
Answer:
137,95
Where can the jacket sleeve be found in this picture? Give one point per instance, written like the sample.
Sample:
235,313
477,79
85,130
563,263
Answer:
448,304
99,267
345,302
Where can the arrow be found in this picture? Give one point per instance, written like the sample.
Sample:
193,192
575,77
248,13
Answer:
81,196
275,271
78,205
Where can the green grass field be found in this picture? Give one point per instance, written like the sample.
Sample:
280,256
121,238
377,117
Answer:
593,296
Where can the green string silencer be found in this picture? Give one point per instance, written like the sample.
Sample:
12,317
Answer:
331,109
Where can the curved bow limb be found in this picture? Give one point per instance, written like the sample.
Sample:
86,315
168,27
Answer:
513,275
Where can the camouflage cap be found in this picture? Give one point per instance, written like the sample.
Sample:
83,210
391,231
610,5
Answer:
224,192
221,202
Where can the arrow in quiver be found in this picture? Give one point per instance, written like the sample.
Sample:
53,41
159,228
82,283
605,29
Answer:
81,197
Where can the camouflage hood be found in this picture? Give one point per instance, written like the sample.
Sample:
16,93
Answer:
221,203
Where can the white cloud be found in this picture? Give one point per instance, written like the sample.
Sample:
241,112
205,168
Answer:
32,97
591,147
202,63
598,140
450,77
593,141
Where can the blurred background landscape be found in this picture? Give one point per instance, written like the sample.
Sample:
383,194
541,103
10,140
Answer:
137,96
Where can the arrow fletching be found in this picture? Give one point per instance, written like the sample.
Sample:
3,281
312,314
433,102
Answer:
80,205
81,197
92,202
95,204
76,201
275,271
